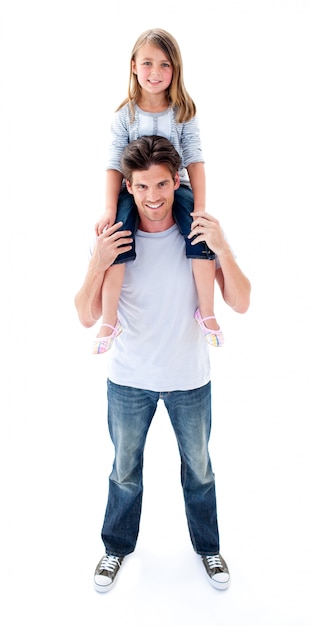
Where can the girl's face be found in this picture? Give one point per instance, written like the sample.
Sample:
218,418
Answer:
153,69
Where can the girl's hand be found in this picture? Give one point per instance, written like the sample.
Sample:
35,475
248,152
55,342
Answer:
107,219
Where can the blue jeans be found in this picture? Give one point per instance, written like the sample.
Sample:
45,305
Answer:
130,412
183,205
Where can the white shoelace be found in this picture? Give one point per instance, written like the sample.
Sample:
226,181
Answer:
214,561
109,562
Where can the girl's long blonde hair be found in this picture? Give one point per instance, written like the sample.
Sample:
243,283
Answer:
177,94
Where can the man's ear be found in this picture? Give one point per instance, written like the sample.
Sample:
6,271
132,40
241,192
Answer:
176,180
129,186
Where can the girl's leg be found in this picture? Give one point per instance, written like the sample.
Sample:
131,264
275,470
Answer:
203,267
110,325
204,276
114,276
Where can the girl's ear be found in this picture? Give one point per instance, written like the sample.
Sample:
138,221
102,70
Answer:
134,70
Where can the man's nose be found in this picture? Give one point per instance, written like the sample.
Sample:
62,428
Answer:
153,195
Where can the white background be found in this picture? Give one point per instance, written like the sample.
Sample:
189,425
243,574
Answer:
64,70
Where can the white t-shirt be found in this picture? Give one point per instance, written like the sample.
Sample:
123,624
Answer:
161,348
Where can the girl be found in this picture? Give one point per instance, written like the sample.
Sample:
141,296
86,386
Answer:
157,104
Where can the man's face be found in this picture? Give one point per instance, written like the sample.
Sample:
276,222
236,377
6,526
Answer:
153,192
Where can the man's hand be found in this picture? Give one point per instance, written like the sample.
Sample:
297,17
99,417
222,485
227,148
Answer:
107,246
206,228
234,285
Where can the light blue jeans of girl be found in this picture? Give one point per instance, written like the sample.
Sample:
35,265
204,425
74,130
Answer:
130,412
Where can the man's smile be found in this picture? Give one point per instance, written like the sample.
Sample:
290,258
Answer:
154,206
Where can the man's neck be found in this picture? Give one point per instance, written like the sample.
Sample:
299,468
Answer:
150,226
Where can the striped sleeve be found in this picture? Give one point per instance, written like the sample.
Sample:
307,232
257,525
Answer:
191,142
119,138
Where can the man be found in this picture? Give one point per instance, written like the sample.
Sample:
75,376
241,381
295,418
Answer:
161,354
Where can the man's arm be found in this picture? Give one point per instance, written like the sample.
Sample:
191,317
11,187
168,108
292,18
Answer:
88,300
234,285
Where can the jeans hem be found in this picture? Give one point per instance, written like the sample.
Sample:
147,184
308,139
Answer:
202,256
116,553
207,553
119,261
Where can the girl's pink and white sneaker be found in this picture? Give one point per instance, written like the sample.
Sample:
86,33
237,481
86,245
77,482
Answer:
103,344
213,337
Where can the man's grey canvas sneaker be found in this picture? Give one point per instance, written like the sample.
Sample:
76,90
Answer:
106,571
217,571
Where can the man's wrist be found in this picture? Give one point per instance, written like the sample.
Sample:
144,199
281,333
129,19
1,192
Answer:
223,252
